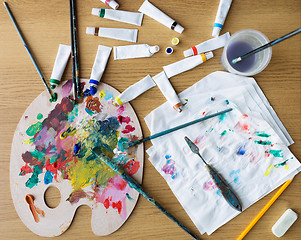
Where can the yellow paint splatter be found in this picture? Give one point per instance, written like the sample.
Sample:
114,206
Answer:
268,171
286,167
102,94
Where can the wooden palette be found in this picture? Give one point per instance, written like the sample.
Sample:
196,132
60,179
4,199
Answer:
52,147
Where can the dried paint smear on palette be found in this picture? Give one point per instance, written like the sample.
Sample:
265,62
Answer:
56,148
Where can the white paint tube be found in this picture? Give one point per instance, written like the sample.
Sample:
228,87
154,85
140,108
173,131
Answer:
124,34
111,3
118,15
209,45
186,64
223,9
60,63
155,13
134,51
168,91
99,66
134,90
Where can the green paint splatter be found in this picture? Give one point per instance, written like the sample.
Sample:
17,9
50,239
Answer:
129,197
280,164
34,179
122,143
263,142
227,102
222,116
224,133
276,153
262,134
33,129
186,101
40,116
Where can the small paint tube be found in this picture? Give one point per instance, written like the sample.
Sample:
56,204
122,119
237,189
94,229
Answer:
168,91
60,63
169,50
99,66
150,10
118,15
208,45
186,64
223,9
124,34
111,3
134,51
134,91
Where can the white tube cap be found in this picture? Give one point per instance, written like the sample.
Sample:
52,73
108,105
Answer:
178,28
209,55
113,4
90,30
216,31
95,11
188,53
154,49
284,223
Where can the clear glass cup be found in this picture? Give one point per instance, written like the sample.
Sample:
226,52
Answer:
255,39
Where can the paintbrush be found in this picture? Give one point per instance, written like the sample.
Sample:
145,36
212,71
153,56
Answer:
54,95
126,145
278,40
133,184
217,178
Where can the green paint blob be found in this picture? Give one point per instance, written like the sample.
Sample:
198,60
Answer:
222,116
263,142
128,196
33,129
122,143
53,98
223,133
262,134
39,116
227,101
276,153
34,179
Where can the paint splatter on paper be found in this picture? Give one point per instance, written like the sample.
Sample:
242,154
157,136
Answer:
169,167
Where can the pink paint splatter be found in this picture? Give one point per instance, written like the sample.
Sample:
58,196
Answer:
128,129
66,88
120,110
208,186
123,119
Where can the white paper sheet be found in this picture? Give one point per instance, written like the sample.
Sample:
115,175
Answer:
242,145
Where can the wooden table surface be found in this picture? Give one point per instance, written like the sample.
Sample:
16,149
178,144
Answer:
45,24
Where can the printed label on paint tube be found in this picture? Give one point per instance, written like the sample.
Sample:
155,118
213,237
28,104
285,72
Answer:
99,66
186,64
135,90
134,51
168,91
118,15
124,34
155,13
223,9
60,64
209,45
113,4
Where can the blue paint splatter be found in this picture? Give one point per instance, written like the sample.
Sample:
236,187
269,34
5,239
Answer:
48,178
241,150
222,116
108,95
167,156
235,175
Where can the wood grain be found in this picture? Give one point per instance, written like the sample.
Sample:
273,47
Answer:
45,24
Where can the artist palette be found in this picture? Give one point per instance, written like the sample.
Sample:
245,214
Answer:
52,148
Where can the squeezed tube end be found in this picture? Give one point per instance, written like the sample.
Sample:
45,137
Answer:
209,55
188,53
90,30
95,11
179,28
216,31
113,4
154,49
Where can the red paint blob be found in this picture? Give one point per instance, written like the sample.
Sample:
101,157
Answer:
132,167
117,206
106,203
122,119
128,129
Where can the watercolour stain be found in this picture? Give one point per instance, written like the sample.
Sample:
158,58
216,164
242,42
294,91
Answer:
169,167
60,150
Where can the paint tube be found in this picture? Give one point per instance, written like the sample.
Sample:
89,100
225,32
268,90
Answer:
60,63
155,13
118,15
186,64
134,51
111,3
99,66
168,91
124,34
223,8
209,45
134,90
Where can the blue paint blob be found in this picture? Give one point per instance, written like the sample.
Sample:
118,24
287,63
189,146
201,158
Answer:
48,178
167,156
241,150
76,147
108,95
93,90
86,93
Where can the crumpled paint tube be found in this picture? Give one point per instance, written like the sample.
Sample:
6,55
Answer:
134,51
134,90
118,15
99,66
168,91
124,34
186,64
223,9
209,45
60,63
155,13
111,3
